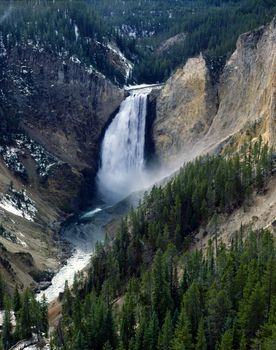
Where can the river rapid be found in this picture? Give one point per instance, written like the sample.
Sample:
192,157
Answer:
122,171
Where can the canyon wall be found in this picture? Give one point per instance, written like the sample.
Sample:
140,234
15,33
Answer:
194,116
45,169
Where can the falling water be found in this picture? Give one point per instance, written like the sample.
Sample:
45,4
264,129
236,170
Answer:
122,153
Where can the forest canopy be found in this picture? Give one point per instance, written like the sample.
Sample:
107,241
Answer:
138,28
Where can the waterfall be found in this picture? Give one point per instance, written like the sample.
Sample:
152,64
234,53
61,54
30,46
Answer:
122,151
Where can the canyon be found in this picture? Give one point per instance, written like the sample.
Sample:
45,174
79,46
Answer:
65,109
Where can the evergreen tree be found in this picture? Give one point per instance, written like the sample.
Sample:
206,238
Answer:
182,338
201,343
2,291
16,301
7,337
165,334
226,342
252,312
128,322
44,315
243,343
25,318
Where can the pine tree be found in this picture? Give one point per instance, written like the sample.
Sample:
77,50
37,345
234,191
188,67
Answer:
2,291
269,343
269,282
161,298
201,343
192,306
16,301
252,313
79,342
182,338
44,315
243,343
127,326
218,307
7,329
165,334
25,319
150,340
226,342
67,301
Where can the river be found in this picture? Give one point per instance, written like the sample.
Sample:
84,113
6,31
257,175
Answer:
121,172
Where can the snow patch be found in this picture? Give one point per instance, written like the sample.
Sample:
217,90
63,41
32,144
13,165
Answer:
12,154
75,59
127,64
19,204
2,316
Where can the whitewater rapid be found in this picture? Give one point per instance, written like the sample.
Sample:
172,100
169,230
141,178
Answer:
121,173
83,236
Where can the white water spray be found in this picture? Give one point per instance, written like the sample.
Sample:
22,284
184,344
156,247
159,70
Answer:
122,153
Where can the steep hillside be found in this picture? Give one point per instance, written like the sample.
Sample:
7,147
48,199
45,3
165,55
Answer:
208,26
185,108
247,89
54,110
157,295
68,28
59,101
244,107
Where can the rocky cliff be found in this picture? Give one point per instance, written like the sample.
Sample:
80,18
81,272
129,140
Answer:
63,107
62,104
193,116
184,110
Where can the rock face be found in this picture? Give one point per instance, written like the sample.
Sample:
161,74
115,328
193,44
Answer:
188,120
62,104
171,42
247,89
184,109
63,108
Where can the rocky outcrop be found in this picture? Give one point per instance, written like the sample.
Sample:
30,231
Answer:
184,109
62,104
188,121
170,43
247,90
63,107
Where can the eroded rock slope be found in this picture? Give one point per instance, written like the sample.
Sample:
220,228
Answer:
195,116
63,107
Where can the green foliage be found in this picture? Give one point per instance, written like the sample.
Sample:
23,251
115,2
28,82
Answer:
67,28
7,336
208,317
166,333
201,343
224,300
2,292
211,27
30,316
202,190
139,29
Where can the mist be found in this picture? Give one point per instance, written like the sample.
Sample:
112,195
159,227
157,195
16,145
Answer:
122,170
115,186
